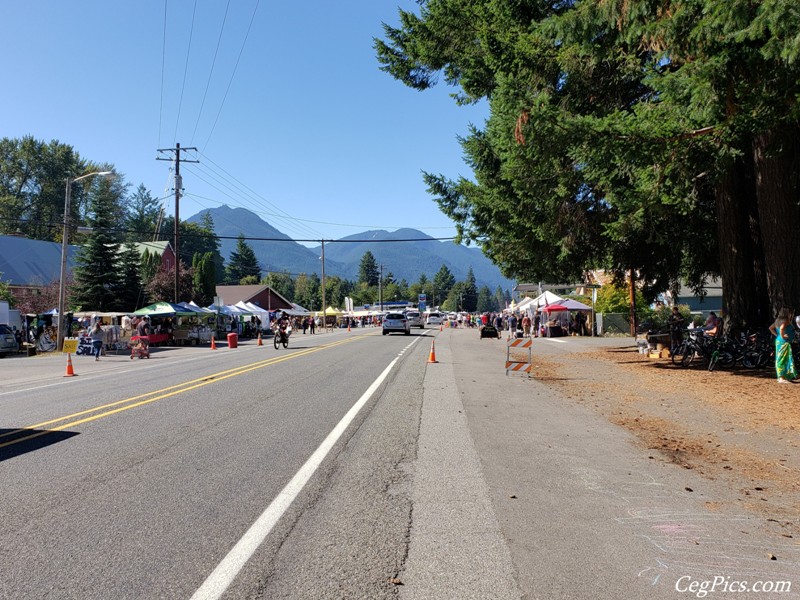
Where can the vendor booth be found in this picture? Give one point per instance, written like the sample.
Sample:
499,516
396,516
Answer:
554,321
165,318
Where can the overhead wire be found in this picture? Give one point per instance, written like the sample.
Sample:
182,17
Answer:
253,194
235,67
238,187
163,62
185,71
211,72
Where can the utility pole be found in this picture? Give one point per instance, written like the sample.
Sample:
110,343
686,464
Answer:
178,187
324,306
380,287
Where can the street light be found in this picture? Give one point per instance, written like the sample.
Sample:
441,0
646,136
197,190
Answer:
64,244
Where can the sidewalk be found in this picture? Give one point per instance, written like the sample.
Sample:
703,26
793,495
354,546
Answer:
585,508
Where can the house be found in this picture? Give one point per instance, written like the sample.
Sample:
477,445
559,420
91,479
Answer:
30,265
260,295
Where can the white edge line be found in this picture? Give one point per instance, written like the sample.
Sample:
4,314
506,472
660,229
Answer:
227,570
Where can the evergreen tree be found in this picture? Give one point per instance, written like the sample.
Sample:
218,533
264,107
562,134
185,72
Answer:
499,299
142,215
96,273
204,279
486,302
368,271
150,265
443,282
243,262
130,294
470,293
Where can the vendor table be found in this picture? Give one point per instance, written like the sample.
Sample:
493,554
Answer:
158,338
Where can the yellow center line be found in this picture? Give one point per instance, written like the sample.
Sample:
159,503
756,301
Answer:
160,394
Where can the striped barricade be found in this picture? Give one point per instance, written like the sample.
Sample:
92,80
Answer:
514,362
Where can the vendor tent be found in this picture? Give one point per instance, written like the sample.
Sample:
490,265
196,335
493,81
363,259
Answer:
525,303
553,308
545,298
573,305
164,309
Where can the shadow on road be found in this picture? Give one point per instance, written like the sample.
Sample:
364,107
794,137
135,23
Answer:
14,442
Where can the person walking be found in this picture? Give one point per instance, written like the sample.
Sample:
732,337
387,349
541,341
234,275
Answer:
784,334
97,334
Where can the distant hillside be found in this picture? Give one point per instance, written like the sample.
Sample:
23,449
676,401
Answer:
405,260
273,255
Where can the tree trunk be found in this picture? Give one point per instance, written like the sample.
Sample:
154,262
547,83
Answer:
775,156
741,252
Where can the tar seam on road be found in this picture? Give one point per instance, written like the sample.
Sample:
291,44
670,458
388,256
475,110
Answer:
227,570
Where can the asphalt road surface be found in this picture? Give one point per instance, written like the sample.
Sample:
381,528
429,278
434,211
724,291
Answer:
347,466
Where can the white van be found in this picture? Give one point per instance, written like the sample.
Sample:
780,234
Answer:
433,318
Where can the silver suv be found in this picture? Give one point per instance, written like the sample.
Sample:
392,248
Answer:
8,342
415,319
396,322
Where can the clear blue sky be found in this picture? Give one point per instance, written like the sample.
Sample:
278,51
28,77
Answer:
310,127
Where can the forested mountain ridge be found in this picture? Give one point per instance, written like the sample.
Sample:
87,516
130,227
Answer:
403,259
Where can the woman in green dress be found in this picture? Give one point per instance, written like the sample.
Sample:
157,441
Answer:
784,334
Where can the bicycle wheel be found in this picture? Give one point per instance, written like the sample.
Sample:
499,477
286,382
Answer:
286,342
676,353
277,341
751,359
688,356
726,359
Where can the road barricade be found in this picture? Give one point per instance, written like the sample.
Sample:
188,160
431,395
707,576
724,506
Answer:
519,356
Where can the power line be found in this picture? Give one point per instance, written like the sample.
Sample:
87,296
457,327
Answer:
288,222
255,195
163,60
185,71
241,50
211,72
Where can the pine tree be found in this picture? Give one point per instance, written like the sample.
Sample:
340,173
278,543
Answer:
143,211
97,272
130,295
243,262
368,272
204,278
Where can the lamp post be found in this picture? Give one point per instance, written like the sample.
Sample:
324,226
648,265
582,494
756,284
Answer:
64,246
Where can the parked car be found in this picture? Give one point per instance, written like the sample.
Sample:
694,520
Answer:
415,319
396,322
8,341
433,318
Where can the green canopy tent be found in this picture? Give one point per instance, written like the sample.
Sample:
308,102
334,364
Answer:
164,309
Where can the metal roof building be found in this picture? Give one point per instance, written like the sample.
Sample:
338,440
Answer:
26,263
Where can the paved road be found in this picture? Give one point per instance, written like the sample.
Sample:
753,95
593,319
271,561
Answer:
451,481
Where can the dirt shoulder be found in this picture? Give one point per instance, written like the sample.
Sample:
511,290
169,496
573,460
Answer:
738,426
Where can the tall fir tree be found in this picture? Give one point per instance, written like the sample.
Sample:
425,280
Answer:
97,271
243,262
130,294
142,217
368,271
205,280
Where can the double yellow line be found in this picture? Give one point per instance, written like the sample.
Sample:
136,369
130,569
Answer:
112,408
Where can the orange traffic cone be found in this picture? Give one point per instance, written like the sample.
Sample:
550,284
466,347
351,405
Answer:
70,372
260,343
441,328
432,355
348,326
213,343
